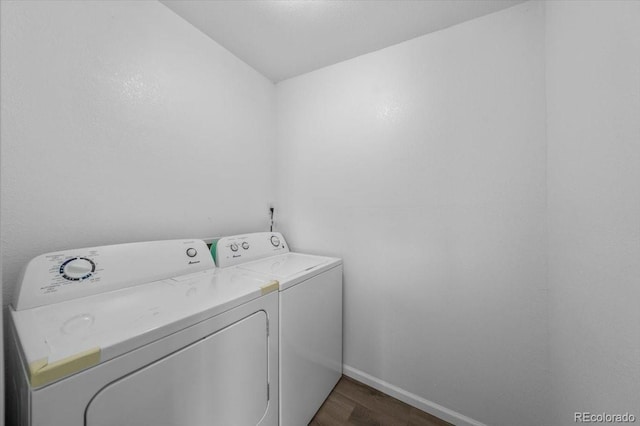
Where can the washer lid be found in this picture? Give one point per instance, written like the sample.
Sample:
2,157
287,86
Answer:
287,265
61,339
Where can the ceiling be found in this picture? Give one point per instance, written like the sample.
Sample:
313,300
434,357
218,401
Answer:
285,38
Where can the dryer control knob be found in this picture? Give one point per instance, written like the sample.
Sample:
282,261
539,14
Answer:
77,268
275,241
245,245
191,252
233,247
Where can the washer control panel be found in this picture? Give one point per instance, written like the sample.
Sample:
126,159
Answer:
64,275
247,247
77,268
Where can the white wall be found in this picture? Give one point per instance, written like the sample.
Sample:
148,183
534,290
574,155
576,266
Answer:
593,96
423,166
122,122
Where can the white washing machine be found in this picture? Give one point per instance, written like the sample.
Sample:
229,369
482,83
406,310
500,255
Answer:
142,334
310,317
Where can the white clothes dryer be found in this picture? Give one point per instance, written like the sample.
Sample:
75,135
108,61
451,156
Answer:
310,317
142,334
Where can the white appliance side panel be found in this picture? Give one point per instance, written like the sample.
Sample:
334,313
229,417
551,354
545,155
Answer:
220,380
18,399
310,345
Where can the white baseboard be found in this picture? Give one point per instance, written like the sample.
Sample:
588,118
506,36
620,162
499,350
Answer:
411,399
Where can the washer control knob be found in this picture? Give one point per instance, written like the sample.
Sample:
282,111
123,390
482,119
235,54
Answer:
191,252
275,241
233,247
245,245
77,268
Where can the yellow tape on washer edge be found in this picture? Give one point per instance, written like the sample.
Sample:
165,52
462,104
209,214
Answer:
268,288
41,372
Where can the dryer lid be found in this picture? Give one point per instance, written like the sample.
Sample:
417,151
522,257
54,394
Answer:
286,266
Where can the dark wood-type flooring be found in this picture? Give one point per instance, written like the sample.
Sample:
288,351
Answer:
354,403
